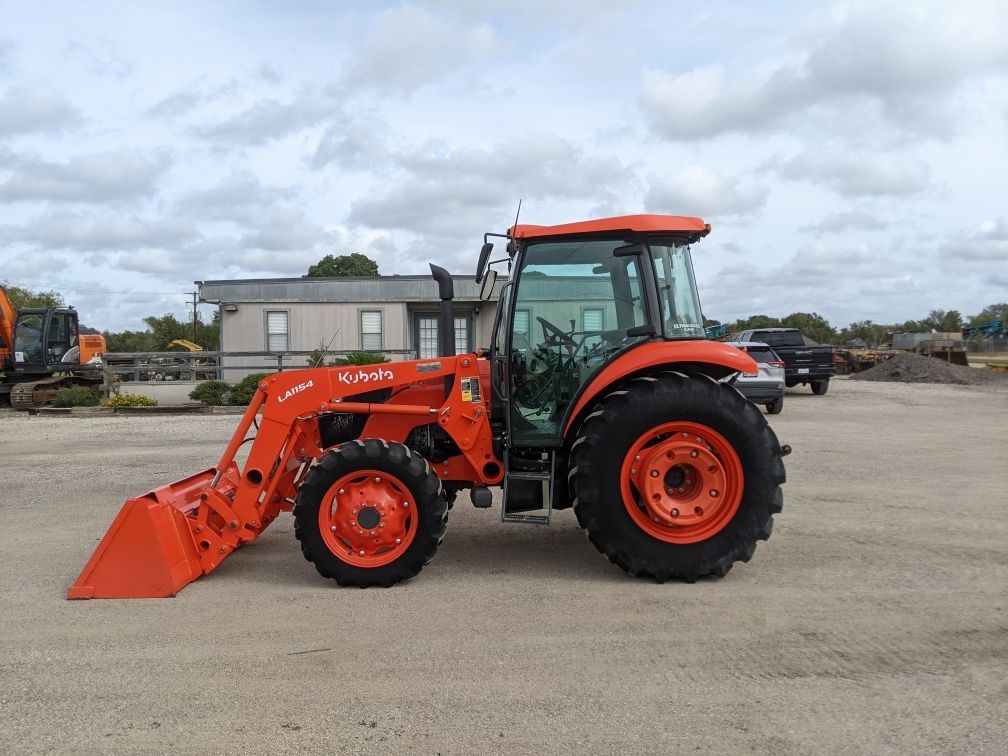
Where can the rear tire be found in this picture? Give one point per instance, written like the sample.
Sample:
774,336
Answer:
370,513
819,387
650,423
775,407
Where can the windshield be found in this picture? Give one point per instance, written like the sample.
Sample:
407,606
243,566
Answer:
677,294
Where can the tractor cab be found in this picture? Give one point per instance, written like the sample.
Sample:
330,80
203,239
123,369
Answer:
581,296
45,339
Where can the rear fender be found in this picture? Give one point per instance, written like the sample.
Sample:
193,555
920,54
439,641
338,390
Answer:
712,358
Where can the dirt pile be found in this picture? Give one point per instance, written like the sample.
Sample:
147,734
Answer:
918,368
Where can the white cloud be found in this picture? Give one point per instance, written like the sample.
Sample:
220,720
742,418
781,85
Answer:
854,175
96,178
410,46
443,191
696,190
846,220
987,245
97,232
270,119
27,109
904,56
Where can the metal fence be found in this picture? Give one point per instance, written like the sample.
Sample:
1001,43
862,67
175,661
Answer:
136,367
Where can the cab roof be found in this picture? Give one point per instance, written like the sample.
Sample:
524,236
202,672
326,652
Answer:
649,224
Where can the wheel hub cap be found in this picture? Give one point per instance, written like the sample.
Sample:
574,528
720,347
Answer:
682,482
368,518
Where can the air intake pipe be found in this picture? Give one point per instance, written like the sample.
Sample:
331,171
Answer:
446,332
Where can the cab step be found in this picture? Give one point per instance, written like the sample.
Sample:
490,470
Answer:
528,486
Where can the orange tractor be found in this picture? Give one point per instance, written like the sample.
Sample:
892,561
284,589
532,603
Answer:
628,416
41,353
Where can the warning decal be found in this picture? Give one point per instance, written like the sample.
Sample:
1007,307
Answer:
470,389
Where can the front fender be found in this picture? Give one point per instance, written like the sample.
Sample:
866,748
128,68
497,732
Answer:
712,357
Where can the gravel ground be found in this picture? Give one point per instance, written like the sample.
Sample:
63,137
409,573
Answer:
872,621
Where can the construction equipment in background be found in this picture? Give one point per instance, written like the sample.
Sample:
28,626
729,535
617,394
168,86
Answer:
851,361
622,416
192,346
716,332
42,351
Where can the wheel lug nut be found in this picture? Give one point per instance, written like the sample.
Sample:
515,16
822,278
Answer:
372,532
361,552
682,490
332,528
398,541
405,505
654,473
713,492
341,491
693,453
377,480
675,512
636,458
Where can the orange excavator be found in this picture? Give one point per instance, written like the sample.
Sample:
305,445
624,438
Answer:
42,351
628,416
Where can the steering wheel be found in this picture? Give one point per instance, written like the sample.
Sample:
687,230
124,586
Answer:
551,332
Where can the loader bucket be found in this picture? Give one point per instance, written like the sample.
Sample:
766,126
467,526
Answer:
150,550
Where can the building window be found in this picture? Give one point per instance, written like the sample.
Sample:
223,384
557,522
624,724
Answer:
427,336
522,322
593,319
276,331
461,335
371,330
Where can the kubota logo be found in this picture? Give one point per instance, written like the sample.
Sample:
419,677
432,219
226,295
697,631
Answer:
364,376
296,390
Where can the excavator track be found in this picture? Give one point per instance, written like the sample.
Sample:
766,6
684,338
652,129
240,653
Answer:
24,396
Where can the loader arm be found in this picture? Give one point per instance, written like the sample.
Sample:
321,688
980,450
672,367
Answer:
168,537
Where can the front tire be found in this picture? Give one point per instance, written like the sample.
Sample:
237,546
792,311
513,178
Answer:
370,513
775,407
676,476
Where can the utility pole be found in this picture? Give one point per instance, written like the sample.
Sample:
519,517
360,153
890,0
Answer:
194,317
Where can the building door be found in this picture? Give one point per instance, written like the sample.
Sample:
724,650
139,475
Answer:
425,333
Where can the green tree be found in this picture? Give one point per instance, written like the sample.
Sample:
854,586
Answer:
989,313
754,321
872,333
161,331
20,297
354,264
811,324
942,321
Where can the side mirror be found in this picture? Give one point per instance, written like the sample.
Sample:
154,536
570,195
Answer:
483,258
487,284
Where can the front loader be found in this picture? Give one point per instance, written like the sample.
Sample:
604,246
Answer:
598,392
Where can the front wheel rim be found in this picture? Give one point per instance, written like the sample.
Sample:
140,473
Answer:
368,518
682,482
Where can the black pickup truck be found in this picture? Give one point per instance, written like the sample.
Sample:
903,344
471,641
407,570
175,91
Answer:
805,361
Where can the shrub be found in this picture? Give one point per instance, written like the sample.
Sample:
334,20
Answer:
361,358
129,400
242,392
76,396
211,392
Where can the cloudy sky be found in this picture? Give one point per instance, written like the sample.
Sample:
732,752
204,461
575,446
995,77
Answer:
852,157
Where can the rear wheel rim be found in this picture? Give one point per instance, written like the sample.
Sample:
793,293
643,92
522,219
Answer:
368,518
681,482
